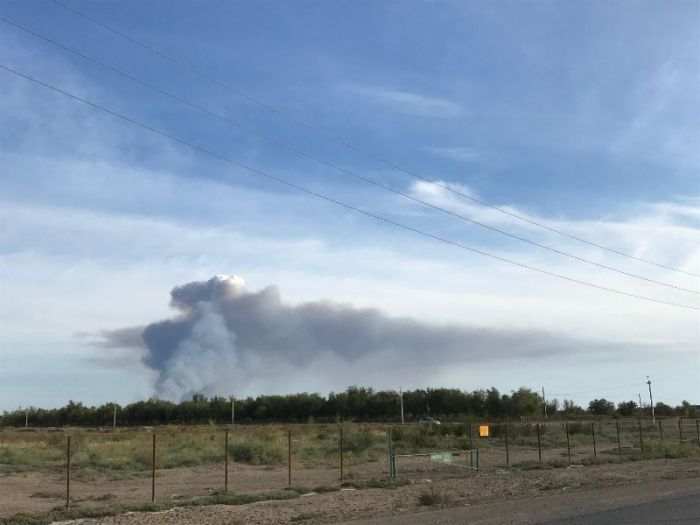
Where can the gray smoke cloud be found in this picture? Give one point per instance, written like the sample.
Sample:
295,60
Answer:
224,335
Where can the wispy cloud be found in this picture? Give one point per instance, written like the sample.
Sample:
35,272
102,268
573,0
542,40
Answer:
409,102
458,154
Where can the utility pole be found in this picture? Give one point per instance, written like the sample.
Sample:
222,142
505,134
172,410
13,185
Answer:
401,401
544,403
233,410
651,401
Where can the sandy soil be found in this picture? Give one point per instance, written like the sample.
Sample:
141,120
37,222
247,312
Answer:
497,486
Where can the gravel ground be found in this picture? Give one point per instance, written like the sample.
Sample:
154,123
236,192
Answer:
498,486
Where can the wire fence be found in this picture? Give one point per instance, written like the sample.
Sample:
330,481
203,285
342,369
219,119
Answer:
90,468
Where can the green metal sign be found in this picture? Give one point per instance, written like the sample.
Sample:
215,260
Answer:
441,457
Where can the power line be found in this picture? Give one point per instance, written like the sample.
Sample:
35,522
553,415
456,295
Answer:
337,202
343,142
329,164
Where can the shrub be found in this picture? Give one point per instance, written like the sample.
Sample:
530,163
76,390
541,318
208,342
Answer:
434,497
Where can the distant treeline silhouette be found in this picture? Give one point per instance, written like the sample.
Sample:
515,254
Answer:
355,404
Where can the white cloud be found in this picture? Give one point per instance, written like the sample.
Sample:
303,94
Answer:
409,102
458,154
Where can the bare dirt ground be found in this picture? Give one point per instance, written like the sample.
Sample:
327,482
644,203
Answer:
380,505
43,490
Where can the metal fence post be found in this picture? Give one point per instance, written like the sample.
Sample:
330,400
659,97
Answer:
289,456
68,458
392,456
697,431
153,470
619,448
226,462
539,443
471,443
680,431
568,443
661,431
507,450
641,437
341,455
595,452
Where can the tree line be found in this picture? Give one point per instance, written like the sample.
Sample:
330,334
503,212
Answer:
355,404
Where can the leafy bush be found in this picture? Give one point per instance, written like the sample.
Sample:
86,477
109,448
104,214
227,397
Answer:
257,452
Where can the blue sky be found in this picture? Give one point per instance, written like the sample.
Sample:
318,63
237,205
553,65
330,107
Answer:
581,116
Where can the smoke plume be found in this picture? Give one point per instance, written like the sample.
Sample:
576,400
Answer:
225,338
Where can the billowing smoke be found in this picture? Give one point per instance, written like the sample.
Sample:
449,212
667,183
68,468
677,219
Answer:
225,337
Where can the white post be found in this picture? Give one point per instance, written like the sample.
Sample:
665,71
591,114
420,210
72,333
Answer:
26,418
114,415
651,401
641,411
544,403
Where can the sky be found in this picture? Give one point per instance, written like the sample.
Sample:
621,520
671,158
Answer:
579,116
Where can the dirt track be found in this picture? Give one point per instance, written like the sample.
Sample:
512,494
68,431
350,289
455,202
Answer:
380,503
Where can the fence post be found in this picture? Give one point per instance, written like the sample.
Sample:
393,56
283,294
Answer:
680,431
697,431
153,470
507,450
661,431
619,448
471,444
568,443
539,443
595,452
641,437
226,462
341,455
392,462
68,458
289,456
